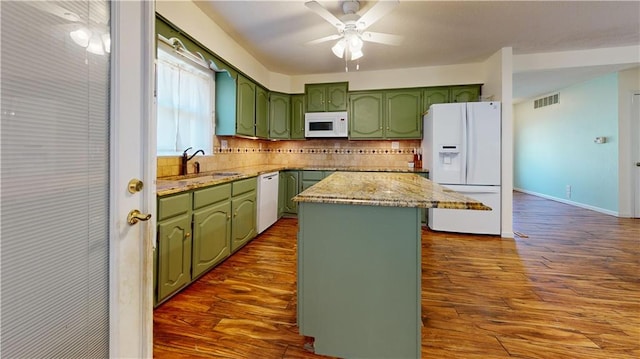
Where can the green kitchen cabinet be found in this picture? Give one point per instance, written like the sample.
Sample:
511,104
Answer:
279,116
246,107
262,113
211,228
469,93
243,208
326,97
282,193
391,114
309,178
292,188
464,93
433,95
298,109
174,244
366,115
403,110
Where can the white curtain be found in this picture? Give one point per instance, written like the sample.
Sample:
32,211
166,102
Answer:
184,105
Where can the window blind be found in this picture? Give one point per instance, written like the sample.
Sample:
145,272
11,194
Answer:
54,182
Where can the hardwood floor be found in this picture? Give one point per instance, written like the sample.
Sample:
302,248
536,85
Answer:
568,288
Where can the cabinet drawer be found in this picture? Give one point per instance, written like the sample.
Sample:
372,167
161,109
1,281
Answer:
207,196
173,205
312,175
244,186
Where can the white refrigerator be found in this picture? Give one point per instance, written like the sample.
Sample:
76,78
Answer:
461,149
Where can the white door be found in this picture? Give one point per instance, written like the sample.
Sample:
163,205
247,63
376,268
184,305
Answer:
635,144
446,140
76,127
132,157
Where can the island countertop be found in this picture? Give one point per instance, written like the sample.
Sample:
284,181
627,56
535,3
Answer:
386,189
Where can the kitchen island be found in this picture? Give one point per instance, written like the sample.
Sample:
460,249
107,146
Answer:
359,261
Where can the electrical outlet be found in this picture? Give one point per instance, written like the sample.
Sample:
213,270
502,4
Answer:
568,191
224,144
395,145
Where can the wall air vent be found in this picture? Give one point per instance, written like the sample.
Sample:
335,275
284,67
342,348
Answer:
546,101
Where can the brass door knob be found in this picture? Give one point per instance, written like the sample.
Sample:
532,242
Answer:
135,216
135,185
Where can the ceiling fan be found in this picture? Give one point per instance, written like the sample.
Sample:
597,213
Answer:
90,32
351,29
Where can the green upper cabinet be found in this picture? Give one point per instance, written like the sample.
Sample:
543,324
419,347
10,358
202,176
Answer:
262,112
326,97
433,95
469,93
403,114
366,115
298,109
393,114
246,107
279,116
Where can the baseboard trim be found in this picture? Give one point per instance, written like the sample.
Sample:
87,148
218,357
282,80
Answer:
571,203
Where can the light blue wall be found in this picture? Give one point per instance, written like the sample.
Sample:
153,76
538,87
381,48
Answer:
553,145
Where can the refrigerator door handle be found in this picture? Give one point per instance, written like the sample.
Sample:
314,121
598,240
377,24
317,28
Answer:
471,145
464,150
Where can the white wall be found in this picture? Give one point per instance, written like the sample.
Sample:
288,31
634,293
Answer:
628,84
498,85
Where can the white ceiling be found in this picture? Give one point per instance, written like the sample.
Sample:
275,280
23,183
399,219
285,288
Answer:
435,33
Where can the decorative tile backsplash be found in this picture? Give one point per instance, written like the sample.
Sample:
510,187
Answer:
242,152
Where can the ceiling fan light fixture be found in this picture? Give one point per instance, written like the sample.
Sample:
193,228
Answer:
339,47
356,54
95,45
81,36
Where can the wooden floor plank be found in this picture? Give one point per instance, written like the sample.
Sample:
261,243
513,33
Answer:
569,289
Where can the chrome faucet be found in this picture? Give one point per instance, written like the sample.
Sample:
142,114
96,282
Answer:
186,158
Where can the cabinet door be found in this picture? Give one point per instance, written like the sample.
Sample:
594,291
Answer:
336,95
366,115
243,221
403,114
279,116
315,94
211,234
469,93
174,254
246,107
297,117
291,185
282,193
262,113
434,95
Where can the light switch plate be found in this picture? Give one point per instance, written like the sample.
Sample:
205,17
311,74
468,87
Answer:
395,145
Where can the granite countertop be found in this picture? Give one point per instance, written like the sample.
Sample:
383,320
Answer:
176,184
385,189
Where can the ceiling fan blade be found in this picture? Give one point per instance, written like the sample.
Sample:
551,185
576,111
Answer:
325,14
387,39
324,39
380,9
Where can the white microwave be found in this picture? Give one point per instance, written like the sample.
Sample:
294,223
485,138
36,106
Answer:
325,124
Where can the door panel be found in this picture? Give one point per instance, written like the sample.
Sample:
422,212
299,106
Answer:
366,115
174,255
243,222
211,233
483,152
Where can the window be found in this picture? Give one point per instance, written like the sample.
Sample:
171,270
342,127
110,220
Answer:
185,93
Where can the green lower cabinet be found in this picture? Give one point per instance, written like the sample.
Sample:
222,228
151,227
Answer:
282,193
174,254
292,188
211,237
243,221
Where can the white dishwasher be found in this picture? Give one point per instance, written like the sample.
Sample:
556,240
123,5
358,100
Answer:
267,200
